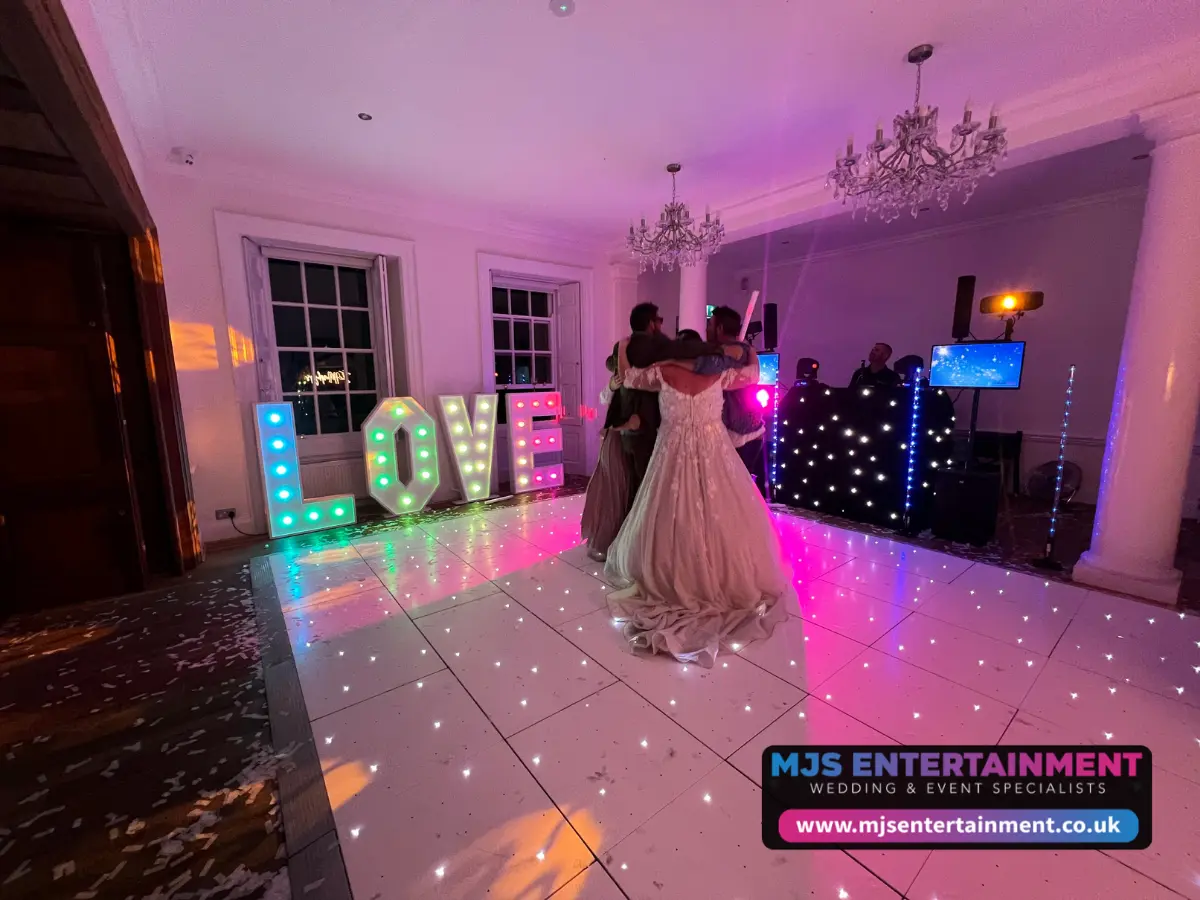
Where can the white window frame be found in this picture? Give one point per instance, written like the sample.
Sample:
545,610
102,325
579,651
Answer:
510,284
403,317
319,447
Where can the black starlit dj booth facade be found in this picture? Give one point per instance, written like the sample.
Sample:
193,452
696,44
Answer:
867,454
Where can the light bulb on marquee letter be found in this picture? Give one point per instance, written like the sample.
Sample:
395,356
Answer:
380,451
473,446
288,512
526,440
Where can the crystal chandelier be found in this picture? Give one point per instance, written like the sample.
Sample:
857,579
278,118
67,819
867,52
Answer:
675,240
912,169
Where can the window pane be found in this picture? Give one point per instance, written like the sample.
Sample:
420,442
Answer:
285,281
523,368
353,284
289,326
520,303
302,410
541,336
542,369
504,368
500,301
331,371
361,367
294,372
323,326
500,337
521,336
320,284
361,406
541,304
356,329
334,415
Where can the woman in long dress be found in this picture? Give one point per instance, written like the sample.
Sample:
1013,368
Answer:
607,497
698,560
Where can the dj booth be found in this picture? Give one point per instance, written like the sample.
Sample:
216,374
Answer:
862,453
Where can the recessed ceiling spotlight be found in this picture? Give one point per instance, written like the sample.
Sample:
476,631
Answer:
562,8
366,117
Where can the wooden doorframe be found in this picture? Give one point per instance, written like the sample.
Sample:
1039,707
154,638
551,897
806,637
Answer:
40,44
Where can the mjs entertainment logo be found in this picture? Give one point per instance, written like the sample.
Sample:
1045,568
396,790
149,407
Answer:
957,797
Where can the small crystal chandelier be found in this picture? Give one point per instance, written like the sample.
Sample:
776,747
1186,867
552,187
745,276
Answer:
676,240
912,169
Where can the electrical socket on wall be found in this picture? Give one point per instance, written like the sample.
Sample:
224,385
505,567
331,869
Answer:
223,514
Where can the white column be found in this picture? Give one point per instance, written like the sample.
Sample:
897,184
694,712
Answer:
693,296
1153,421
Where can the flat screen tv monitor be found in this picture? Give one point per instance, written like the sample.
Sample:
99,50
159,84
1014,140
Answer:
768,369
988,365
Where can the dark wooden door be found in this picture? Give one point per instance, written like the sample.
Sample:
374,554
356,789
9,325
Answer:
69,527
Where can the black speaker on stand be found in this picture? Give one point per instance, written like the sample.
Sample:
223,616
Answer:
770,321
964,300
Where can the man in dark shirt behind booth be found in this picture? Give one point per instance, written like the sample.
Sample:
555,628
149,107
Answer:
876,372
648,346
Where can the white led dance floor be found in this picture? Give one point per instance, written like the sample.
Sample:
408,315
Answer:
484,733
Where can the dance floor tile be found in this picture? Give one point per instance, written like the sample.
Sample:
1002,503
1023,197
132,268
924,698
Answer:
804,655
1146,646
913,706
555,591
998,670
723,706
842,540
1077,706
503,557
519,669
299,562
352,666
341,614
591,884
929,564
396,733
555,536
855,615
422,588
1173,857
477,828
885,582
707,843
809,562
1065,875
612,761
1022,610
390,547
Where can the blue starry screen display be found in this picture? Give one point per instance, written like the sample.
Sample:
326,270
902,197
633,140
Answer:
768,368
985,364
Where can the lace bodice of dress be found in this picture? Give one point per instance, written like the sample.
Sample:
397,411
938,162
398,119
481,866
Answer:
680,409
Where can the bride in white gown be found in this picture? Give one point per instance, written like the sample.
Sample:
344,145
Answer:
697,558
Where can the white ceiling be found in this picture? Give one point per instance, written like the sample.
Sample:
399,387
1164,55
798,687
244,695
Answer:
1115,166
501,105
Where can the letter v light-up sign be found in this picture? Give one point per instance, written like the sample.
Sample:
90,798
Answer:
471,443
526,439
380,452
288,512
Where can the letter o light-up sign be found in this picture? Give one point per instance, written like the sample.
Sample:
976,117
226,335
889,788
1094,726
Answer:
526,439
471,443
288,513
380,454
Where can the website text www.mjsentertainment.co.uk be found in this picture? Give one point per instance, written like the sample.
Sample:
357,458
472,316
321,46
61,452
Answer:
948,797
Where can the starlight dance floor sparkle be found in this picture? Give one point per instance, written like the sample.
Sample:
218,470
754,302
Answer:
484,732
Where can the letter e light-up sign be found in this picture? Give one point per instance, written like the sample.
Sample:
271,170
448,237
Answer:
380,453
288,513
527,439
471,443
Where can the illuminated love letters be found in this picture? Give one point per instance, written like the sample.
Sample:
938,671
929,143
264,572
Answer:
288,512
471,443
381,454
527,438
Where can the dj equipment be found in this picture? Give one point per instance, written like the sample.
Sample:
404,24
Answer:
770,326
966,506
963,302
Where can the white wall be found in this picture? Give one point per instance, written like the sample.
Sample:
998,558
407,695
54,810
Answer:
834,305
447,293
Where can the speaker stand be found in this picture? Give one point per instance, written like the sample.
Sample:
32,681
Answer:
970,462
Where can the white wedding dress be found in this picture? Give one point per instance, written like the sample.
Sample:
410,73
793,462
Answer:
698,561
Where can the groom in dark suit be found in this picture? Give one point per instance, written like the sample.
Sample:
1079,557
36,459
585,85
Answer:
647,347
